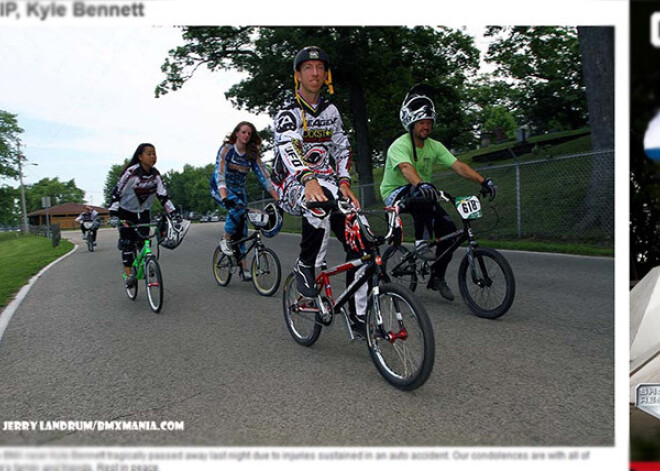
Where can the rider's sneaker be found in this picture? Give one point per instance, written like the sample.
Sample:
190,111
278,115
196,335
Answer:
305,279
439,284
130,281
424,250
226,249
245,275
358,326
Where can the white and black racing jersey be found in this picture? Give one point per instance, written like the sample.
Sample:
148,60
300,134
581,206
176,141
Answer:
87,216
310,142
136,190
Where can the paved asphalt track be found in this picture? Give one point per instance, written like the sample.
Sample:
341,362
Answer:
220,360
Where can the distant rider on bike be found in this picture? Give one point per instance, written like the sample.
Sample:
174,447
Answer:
312,163
237,155
139,184
408,170
89,215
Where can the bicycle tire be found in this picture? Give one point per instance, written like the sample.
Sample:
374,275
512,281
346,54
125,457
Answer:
154,283
401,274
222,267
303,327
406,362
266,272
489,296
90,242
132,292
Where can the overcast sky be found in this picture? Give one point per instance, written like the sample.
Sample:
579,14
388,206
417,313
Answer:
85,97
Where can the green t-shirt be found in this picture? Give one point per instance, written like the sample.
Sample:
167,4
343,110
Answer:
401,151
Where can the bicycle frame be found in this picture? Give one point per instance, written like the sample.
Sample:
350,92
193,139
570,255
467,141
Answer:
368,267
255,240
138,263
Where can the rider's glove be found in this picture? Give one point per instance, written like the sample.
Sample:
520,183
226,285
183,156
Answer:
426,191
489,188
113,221
229,203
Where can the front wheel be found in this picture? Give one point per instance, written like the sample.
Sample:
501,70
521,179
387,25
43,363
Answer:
400,337
399,265
300,314
266,272
486,283
222,267
90,241
154,283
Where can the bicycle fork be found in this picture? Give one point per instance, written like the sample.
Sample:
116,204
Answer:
390,336
478,272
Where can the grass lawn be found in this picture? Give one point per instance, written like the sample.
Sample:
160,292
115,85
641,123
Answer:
22,257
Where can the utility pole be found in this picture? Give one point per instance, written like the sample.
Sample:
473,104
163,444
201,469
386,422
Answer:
25,228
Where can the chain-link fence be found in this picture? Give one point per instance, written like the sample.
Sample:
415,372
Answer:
567,198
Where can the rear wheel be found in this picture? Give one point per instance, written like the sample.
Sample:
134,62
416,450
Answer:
154,283
399,265
300,314
223,266
403,345
133,291
266,272
487,284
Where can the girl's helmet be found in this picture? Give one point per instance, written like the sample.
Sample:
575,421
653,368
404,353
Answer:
274,224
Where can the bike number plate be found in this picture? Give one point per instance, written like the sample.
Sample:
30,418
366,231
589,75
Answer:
469,207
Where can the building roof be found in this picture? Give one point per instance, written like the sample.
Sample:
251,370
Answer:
67,208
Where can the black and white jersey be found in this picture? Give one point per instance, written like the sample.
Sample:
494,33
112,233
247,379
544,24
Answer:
137,189
310,141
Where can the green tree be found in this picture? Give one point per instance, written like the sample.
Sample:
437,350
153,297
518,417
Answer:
9,132
544,70
500,122
9,209
189,189
59,192
372,69
111,180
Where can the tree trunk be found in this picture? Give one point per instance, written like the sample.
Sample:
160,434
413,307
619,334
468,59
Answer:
597,54
360,124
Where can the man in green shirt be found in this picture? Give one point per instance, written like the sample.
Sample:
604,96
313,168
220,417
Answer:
408,170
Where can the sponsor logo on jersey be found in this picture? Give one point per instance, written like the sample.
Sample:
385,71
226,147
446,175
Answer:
286,121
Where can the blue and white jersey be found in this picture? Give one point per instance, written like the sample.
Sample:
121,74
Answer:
232,168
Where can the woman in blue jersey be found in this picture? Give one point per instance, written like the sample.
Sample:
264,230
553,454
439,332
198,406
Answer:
238,154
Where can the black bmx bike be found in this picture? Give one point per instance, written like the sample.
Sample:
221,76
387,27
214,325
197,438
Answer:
265,266
90,228
398,330
485,278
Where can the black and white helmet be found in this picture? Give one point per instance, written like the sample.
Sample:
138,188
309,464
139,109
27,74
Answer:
416,106
172,233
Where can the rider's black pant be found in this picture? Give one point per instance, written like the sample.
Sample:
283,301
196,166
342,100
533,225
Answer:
431,220
129,240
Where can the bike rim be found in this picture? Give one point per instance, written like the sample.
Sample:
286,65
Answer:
402,358
265,272
154,285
